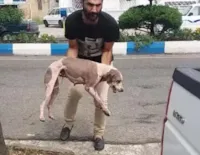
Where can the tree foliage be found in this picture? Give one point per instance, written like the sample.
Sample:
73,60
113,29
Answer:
10,15
148,17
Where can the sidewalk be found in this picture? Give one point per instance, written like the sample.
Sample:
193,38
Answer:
86,148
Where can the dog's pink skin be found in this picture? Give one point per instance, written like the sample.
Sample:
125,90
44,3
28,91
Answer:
78,71
51,87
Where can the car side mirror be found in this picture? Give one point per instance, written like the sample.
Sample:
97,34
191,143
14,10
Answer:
190,14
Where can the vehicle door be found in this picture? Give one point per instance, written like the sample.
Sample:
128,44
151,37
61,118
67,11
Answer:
192,19
57,16
51,16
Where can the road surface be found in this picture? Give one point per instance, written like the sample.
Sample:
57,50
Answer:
137,113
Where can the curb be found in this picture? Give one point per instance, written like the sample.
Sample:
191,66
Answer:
120,48
59,49
86,148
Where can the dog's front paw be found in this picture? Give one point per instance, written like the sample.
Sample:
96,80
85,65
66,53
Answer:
51,117
107,112
42,119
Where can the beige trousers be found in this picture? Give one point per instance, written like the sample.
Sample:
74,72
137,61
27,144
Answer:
74,95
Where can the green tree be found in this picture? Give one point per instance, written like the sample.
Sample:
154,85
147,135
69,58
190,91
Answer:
10,15
149,16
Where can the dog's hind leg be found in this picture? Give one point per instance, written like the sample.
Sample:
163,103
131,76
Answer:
54,84
45,102
53,72
53,97
47,80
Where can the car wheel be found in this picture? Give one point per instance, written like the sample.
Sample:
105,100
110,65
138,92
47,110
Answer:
60,23
46,23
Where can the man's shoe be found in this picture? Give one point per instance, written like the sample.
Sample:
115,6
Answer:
65,133
99,144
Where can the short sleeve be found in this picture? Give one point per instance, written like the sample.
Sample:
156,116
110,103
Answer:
70,30
112,33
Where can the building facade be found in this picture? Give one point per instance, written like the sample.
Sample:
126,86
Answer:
37,9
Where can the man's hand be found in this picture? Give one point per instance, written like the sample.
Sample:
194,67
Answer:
107,53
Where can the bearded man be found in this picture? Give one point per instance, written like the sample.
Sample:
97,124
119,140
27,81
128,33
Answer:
91,34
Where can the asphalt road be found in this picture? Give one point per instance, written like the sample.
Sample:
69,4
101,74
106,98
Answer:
137,113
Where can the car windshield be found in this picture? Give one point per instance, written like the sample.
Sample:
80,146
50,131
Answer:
184,9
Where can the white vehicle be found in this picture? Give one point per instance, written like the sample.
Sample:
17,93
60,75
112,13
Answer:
181,127
190,10
191,18
54,17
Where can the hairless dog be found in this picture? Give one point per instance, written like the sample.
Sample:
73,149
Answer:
79,71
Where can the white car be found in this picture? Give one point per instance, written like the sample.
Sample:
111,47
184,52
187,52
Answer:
181,127
54,17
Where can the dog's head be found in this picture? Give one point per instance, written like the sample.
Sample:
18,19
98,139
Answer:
114,78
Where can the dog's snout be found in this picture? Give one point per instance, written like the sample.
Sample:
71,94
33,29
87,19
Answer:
122,90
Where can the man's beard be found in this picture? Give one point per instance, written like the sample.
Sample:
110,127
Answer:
91,16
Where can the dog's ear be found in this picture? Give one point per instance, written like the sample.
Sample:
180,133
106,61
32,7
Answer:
108,77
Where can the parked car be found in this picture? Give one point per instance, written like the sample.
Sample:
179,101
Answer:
181,128
26,26
54,17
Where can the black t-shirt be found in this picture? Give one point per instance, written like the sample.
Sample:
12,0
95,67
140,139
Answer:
91,38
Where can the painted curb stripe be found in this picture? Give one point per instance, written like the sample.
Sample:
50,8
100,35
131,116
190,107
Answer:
59,49
31,49
130,48
120,48
182,47
154,48
6,49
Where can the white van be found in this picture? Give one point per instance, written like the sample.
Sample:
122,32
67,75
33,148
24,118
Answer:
54,16
190,10
191,17
181,126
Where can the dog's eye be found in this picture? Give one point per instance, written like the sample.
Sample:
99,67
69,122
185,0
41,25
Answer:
118,81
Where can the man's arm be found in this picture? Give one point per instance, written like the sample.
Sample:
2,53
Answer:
111,36
107,53
73,49
71,35
71,52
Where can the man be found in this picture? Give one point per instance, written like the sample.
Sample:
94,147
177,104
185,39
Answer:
91,34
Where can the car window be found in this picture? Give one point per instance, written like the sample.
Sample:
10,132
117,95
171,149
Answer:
52,12
57,12
196,11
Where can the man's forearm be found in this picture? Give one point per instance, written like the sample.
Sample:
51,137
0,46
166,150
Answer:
106,57
72,53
